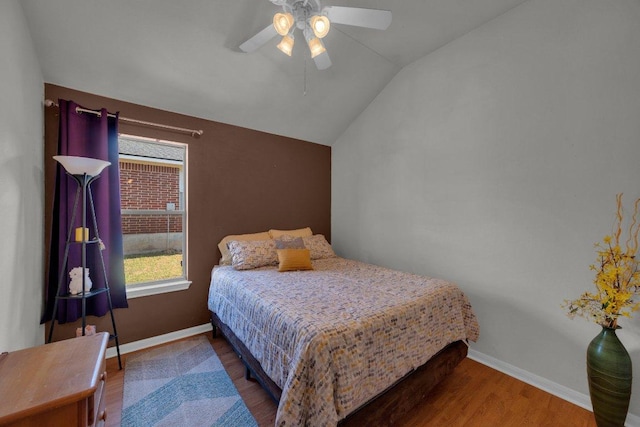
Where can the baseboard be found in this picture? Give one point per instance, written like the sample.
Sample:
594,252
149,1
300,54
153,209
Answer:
159,339
551,387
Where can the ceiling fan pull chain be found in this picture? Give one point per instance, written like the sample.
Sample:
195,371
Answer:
304,79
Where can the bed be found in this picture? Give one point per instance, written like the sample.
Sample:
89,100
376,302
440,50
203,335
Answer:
342,343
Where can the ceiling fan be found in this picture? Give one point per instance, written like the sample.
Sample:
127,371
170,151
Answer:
314,22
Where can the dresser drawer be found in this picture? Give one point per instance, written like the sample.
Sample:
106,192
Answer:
97,402
101,413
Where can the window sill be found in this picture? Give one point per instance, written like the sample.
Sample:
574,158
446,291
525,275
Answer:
144,290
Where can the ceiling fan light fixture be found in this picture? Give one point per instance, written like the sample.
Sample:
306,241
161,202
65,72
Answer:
315,46
282,22
315,22
286,45
320,25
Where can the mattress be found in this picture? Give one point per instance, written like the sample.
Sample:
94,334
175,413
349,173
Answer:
336,336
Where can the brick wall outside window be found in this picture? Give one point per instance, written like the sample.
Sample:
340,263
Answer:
147,186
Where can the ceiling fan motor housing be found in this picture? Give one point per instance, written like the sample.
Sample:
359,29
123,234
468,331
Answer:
302,11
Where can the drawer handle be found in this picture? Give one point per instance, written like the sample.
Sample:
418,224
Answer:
103,416
103,377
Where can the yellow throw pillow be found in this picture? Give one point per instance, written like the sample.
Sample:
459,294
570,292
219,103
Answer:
294,259
224,251
300,232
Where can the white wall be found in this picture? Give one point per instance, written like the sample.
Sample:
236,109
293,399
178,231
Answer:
21,183
494,162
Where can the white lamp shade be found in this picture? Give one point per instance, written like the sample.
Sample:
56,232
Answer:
76,165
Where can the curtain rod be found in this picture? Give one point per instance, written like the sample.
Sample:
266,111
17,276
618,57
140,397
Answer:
193,132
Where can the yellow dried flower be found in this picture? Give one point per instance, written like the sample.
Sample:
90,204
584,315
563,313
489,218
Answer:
617,277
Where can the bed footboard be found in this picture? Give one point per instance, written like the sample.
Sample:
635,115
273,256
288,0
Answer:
386,408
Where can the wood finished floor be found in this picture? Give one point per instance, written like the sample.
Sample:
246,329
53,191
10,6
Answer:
474,395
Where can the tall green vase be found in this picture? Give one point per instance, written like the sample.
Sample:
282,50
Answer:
609,372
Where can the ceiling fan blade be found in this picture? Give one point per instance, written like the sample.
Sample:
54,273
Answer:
359,17
322,61
259,39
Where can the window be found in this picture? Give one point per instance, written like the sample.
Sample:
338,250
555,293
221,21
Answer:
154,212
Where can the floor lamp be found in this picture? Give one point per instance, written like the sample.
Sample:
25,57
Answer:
84,170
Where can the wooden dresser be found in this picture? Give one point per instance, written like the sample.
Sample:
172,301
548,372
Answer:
57,384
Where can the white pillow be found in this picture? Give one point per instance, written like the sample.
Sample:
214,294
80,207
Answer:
249,254
226,256
318,246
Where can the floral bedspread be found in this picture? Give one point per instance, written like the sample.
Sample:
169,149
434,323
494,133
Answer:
338,335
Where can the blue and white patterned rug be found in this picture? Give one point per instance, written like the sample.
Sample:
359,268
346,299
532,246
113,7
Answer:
181,384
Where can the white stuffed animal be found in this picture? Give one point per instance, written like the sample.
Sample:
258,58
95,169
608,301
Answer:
75,287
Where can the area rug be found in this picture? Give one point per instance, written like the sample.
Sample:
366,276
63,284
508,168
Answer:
181,384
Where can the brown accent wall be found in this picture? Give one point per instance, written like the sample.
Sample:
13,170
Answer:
239,181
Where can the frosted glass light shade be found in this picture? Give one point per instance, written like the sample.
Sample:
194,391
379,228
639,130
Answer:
316,47
286,45
320,25
76,165
282,22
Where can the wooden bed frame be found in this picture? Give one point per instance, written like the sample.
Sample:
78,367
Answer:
383,410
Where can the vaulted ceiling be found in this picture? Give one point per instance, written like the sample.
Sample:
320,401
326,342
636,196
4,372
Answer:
183,56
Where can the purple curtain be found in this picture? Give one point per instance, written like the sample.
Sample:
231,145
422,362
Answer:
87,135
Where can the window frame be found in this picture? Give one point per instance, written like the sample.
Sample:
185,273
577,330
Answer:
173,284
